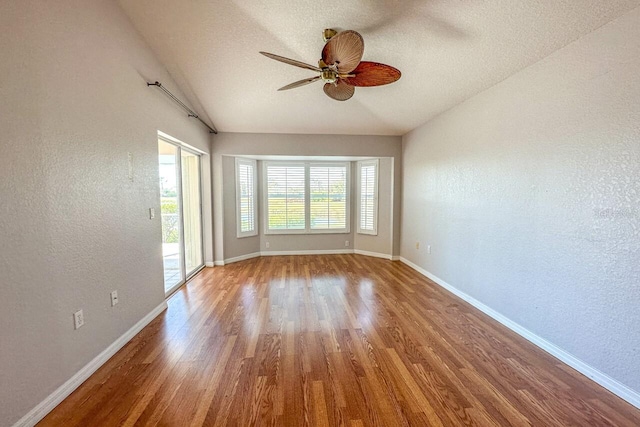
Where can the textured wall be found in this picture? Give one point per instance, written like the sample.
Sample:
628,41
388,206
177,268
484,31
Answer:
529,194
229,144
73,103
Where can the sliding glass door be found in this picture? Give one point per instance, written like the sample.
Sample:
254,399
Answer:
169,163
180,201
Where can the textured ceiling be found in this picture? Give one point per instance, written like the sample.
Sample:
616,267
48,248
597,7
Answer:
447,52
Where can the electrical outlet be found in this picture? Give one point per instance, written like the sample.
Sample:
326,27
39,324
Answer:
78,319
114,298
428,249
346,243
266,244
152,213
417,245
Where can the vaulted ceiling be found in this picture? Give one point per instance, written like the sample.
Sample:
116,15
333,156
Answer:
447,52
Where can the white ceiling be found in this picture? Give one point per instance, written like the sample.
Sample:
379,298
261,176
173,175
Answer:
447,52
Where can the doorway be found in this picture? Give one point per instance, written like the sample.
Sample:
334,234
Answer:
181,212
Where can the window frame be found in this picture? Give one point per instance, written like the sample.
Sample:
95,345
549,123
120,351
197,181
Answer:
307,199
254,165
376,164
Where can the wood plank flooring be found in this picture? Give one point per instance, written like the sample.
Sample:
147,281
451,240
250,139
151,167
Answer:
336,340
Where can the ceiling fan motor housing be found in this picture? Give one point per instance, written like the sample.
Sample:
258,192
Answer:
329,76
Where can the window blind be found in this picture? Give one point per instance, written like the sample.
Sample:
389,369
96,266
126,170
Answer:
306,197
328,197
246,194
286,202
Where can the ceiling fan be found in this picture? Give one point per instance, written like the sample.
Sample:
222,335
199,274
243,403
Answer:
341,67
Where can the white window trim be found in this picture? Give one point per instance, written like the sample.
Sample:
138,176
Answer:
307,201
376,164
254,165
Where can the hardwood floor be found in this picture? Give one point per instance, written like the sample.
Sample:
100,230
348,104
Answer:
336,340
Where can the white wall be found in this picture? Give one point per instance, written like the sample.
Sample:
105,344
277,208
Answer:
225,145
73,103
529,194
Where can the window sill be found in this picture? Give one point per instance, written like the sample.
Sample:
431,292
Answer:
242,236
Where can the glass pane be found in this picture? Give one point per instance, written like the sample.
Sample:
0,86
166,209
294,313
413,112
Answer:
170,207
191,211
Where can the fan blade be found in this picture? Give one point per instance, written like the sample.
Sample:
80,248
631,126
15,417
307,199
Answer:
340,91
291,61
300,83
345,50
372,74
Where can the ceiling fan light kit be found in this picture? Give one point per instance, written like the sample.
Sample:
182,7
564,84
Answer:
341,67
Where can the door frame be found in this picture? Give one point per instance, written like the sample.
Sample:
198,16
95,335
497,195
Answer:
182,146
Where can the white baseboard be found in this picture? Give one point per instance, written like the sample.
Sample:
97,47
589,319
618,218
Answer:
373,254
61,393
241,258
310,252
209,264
395,258
304,252
614,386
